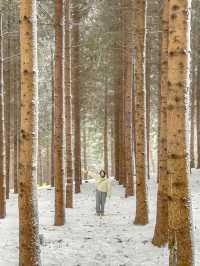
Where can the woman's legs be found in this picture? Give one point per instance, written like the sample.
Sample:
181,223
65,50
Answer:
103,201
98,202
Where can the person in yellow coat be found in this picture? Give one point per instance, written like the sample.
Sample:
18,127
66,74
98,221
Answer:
103,189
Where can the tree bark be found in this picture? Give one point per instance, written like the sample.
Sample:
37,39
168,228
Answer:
122,161
148,99
198,116
105,134
180,227
112,139
192,125
29,246
68,108
141,194
7,110
128,8
85,153
52,124
160,237
16,125
58,114
75,62
2,133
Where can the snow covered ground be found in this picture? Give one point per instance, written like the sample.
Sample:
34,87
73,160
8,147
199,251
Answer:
87,240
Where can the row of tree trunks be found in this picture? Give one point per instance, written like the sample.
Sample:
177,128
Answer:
173,202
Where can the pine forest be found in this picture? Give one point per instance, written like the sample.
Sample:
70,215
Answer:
100,132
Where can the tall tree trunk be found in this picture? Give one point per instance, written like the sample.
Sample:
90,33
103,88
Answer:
2,133
112,139
29,246
133,119
52,123
128,96
85,169
141,194
161,229
68,108
117,83
75,51
106,129
16,124
7,108
58,114
48,164
198,116
180,227
116,128
148,99
41,170
122,161
192,125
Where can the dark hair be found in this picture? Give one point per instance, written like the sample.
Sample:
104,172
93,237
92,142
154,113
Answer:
102,171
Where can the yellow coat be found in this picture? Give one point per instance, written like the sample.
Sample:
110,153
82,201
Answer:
103,184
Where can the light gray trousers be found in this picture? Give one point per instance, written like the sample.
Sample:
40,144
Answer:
100,201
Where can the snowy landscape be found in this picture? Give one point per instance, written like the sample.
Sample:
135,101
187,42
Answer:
87,240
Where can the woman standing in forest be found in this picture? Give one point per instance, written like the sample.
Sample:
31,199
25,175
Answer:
103,189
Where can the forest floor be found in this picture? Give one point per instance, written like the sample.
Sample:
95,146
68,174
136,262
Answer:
87,240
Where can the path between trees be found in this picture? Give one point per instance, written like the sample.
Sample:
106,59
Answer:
87,240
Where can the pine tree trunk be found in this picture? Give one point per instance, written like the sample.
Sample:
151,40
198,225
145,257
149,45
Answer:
117,60
106,129
58,114
68,108
7,110
116,127
198,116
128,96
40,172
148,100
112,139
2,133
85,169
16,126
122,164
52,124
192,125
133,119
141,194
159,97
180,226
48,164
29,246
75,62
161,228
